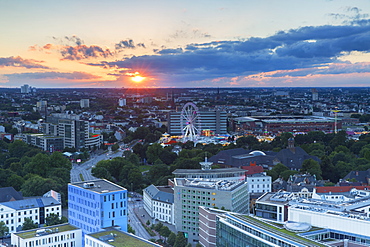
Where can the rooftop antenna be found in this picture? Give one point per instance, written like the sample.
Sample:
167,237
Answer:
206,165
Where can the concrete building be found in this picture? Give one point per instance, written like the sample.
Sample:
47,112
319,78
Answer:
63,235
352,217
49,143
192,193
14,213
94,205
259,183
241,230
122,102
273,206
158,203
84,103
114,238
75,132
25,89
215,121
278,124
207,225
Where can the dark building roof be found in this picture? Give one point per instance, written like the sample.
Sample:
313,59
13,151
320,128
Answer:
8,194
360,176
160,193
293,157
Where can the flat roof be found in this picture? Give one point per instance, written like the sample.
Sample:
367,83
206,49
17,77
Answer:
196,171
99,186
120,239
52,230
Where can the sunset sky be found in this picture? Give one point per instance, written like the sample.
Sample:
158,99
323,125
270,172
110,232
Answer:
202,43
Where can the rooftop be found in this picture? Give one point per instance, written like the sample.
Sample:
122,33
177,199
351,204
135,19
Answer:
120,239
99,186
227,185
45,231
196,171
283,233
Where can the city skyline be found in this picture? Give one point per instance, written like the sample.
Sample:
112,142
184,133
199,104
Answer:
116,43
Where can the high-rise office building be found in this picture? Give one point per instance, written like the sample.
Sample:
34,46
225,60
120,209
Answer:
75,132
215,121
97,204
189,194
84,103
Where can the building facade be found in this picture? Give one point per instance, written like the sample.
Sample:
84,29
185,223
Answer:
158,203
75,132
259,183
215,121
63,235
14,213
96,204
189,194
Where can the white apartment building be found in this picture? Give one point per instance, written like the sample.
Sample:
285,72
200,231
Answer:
63,235
13,213
158,203
259,183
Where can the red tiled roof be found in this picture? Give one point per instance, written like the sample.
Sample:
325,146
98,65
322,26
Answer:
338,189
252,169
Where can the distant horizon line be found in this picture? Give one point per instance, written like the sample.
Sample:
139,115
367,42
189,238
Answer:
175,87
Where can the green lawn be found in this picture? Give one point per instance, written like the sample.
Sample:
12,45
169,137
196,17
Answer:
144,168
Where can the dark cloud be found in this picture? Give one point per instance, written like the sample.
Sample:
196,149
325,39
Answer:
294,51
20,62
53,75
76,40
84,52
169,51
128,44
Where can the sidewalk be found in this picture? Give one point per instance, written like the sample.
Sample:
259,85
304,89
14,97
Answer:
144,217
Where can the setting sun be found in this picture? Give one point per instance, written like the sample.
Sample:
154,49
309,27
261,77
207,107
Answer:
137,78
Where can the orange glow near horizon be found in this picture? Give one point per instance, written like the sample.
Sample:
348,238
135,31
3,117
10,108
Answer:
136,77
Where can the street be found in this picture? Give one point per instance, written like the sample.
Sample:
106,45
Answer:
85,168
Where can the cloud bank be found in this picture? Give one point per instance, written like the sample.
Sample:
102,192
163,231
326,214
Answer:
20,62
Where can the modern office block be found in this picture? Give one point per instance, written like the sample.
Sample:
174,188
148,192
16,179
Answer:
96,204
215,121
189,194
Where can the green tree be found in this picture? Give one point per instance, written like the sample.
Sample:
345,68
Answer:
54,219
180,241
18,148
40,164
28,224
4,230
115,147
165,232
130,229
15,181
312,167
153,152
247,141
171,239
277,170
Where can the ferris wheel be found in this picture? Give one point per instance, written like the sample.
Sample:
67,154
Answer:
190,122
